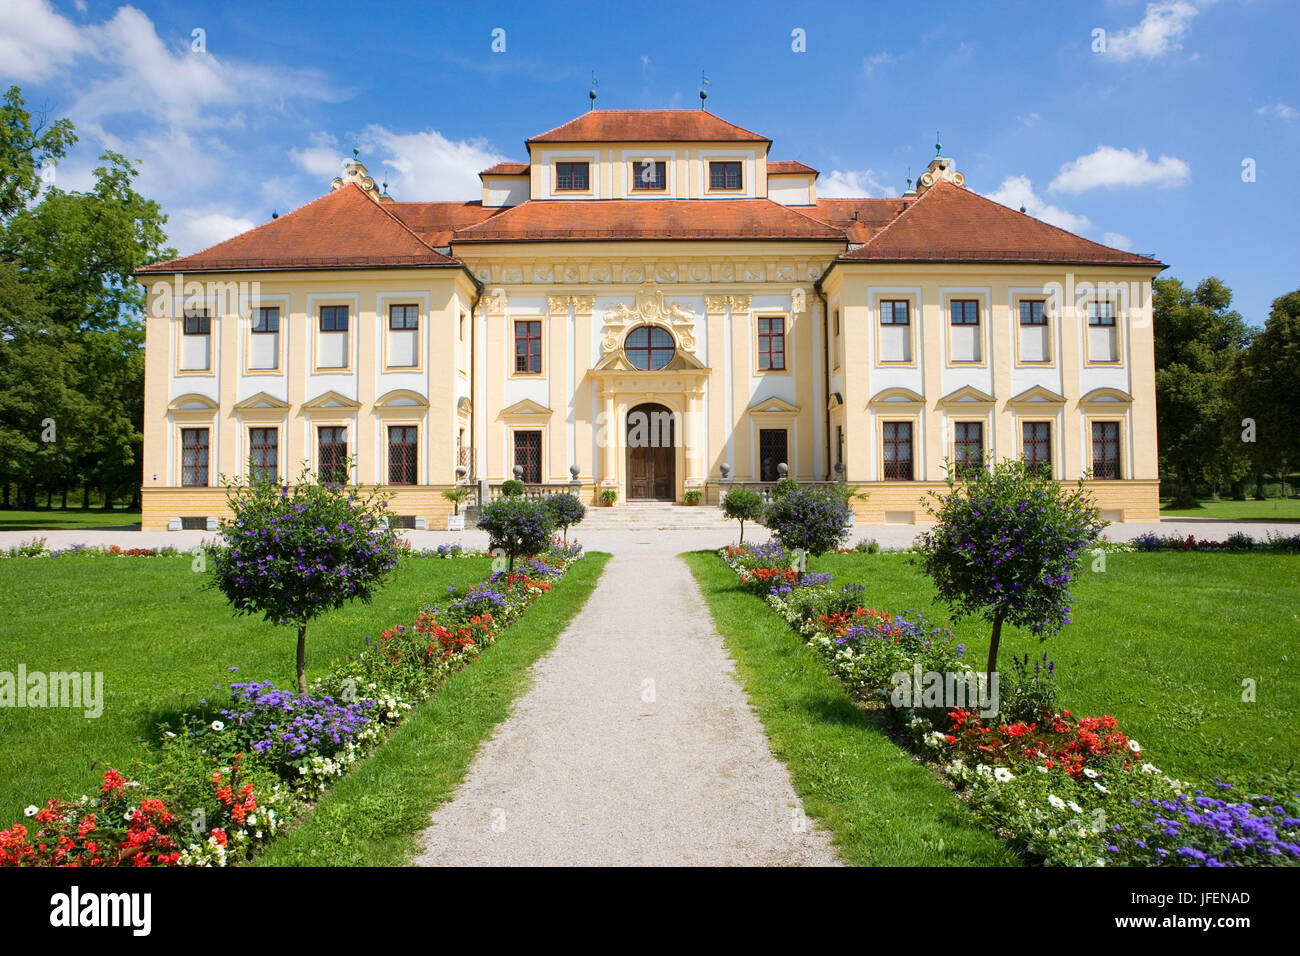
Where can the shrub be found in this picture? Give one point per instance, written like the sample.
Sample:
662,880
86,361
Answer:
609,496
1006,545
294,552
784,486
512,488
692,496
1029,697
517,526
741,504
808,519
867,546
565,510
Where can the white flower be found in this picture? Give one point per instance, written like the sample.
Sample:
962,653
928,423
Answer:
1075,807
1003,775
218,725
1150,768
31,811
1041,769
1090,773
168,733
1056,801
1100,787
1134,746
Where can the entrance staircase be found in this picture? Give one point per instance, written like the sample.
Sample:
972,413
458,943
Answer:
655,516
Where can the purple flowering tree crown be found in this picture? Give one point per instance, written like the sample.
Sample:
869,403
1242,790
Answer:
520,527
1006,544
813,519
293,552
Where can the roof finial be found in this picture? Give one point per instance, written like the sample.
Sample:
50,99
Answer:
704,91
592,93
938,147
909,175
356,154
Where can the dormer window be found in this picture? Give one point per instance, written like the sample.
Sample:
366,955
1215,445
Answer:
572,176
724,175
649,174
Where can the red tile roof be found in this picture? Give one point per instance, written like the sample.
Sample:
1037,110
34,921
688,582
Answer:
506,169
434,222
564,219
860,219
951,224
649,126
343,229
784,167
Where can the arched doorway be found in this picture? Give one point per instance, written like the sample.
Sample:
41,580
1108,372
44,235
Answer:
651,453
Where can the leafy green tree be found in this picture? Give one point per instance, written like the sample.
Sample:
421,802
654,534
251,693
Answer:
1197,341
1268,391
1006,544
24,151
742,504
294,552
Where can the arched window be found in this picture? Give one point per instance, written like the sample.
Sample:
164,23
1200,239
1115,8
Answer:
649,347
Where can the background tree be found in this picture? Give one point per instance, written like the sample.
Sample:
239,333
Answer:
71,326
1268,391
742,504
1197,342
1006,543
293,552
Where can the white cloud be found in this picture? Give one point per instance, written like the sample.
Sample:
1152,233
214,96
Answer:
191,230
427,166
1161,31
1280,110
882,58
1117,240
35,41
322,158
851,184
1017,191
1111,167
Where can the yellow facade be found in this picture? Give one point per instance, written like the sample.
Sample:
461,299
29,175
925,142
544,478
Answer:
833,396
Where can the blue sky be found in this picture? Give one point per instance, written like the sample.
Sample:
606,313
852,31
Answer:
1140,144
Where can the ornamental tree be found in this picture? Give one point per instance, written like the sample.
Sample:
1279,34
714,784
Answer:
293,552
742,504
812,520
1006,545
518,526
565,509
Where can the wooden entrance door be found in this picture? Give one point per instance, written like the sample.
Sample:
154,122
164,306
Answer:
651,453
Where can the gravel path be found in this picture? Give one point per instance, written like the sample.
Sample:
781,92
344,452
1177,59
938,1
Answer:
634,745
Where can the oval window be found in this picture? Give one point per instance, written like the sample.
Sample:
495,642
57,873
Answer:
649,347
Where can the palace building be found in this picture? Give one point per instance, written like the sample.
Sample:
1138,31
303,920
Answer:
648,273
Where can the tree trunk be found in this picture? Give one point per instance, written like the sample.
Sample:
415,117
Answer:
302,658
993,647
1259,486
6,494
1186,495
65,496
1238,490
742,531
85,497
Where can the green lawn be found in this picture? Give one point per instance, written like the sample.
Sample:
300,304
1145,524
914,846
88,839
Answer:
162,642
372,816
882,807
1163,642
1271,509
73,519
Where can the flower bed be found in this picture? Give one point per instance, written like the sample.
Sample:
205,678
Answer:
1071,790
1287,544
225,778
